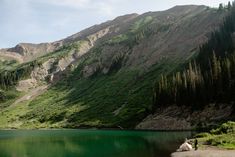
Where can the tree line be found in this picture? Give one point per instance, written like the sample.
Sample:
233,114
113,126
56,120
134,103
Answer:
196,87
10,78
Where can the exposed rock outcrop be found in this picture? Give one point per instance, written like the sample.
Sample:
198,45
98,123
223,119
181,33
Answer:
182,118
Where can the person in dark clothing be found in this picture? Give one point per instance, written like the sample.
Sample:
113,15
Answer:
196,144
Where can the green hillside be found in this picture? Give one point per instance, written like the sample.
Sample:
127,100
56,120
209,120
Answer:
106,76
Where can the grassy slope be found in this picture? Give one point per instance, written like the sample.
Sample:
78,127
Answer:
75,102
120,98
10,114
10,95
222,137
7,64
101,96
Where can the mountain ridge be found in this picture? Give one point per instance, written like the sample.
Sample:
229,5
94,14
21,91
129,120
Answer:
21,47
103,76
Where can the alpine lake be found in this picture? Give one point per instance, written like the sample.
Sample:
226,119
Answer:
89,143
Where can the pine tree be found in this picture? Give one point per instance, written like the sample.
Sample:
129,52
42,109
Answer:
229,5
221,7
214,67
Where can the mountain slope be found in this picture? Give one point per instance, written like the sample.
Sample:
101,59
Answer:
104,75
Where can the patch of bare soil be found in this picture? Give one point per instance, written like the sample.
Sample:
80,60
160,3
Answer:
206,152
33,93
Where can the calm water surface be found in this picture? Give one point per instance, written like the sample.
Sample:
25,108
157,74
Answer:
88,143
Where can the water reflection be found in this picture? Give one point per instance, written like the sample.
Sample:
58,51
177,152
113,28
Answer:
81,143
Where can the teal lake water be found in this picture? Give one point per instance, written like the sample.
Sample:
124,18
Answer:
89,143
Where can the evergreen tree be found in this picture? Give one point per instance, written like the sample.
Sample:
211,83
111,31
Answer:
221,7
229,5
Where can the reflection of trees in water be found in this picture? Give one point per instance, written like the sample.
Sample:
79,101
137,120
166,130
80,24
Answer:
91,144
164,143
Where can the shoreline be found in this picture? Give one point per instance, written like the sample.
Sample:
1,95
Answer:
206,151
98,129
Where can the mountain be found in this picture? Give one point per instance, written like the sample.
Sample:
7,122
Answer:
103,76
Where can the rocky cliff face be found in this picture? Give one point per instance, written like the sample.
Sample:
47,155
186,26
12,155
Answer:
182,118
154,37
27,52
85,40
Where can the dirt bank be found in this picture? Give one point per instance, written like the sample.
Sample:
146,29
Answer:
206,152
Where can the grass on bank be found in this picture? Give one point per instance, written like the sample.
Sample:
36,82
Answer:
222,137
